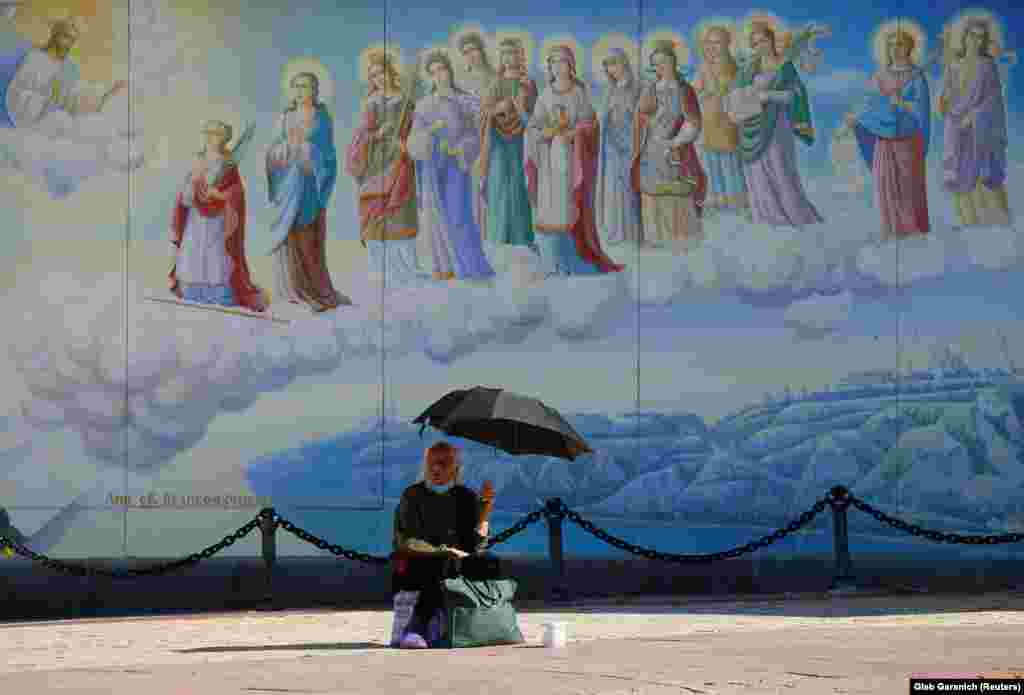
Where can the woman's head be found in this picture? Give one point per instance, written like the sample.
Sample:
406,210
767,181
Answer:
899,47
716,43
616,66
381,73
439,67
473,50
216,136
511,56
561,64
976,38
305,88
762,39
442,464
664,60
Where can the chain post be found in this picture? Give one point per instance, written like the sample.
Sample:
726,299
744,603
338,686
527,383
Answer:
554,511
268,529
843,581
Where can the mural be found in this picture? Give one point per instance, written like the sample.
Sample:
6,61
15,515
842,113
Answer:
749,253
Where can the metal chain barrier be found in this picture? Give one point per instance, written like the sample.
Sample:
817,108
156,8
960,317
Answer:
937,536
839,498
651,554
154,570
320,543
521,525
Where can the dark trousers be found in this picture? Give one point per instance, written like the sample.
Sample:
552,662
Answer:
426,574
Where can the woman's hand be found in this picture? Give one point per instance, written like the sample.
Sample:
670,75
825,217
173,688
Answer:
456,553
214,194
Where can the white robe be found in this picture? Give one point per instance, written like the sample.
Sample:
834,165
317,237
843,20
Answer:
202,258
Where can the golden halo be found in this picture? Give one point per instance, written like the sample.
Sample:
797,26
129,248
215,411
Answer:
393,51
564,40
602,48
762,17
955,28
305,64
880,40
529,45
438,48
700,32
680,44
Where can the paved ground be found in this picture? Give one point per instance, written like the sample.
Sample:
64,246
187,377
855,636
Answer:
851,644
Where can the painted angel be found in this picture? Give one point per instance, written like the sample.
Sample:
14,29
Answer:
208,226
973,105
771,107
54,125
894,133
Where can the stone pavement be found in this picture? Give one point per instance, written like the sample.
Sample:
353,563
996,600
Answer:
800,645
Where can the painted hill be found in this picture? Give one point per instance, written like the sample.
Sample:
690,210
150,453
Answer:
943,448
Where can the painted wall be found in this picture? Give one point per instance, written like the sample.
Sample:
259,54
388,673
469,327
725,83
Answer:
725,383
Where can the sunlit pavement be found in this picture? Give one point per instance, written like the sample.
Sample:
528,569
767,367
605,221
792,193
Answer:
839,644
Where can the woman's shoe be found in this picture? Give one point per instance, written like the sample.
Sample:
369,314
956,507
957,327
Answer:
412,640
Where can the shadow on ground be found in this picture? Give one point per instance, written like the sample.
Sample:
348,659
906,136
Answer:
309,646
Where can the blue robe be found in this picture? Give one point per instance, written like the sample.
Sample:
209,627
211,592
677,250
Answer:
617,205
10,61
300,198
884,120
444,185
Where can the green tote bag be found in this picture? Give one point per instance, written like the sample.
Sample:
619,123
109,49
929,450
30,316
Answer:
480,613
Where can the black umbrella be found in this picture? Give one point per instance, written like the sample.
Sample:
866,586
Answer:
507,421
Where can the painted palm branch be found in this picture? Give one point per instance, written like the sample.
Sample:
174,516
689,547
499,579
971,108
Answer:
802,49
243,143
412,88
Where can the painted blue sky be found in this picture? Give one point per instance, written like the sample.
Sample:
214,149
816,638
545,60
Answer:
249,74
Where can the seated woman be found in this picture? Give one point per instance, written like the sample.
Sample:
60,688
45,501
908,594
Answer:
440,527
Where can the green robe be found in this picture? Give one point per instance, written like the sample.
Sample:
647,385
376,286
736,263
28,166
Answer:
756,132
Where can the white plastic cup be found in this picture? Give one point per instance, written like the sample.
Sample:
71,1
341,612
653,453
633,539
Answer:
555,635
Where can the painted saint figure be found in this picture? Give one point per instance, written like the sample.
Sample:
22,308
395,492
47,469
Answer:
478,80
36,81
893,135
617,205
561,145
720,138
506,112
768,138
974,158
445,142
302,168
666,169
385,175
208,228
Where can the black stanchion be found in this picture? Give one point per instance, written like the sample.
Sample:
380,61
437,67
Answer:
268,530
843,580
555,512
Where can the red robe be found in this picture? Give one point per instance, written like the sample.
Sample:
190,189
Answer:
586,144
247,294
389,193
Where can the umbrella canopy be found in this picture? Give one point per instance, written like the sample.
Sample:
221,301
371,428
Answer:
508,421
